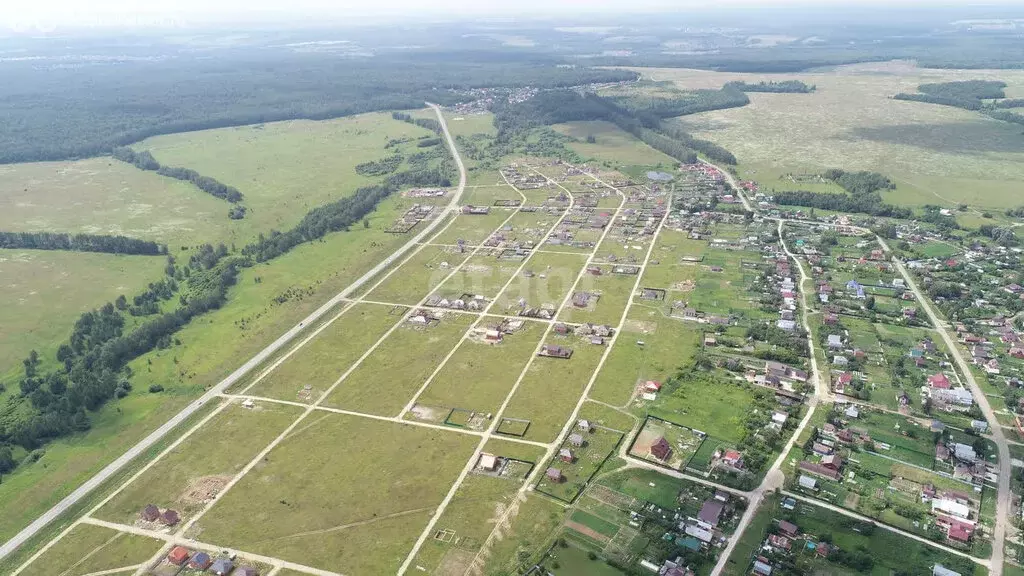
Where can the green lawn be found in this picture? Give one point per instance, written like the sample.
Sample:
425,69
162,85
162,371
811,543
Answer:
716,409
616,291
391,375
88,549
530,530
473,228
327,497
215,454
325,358
612,144
479,375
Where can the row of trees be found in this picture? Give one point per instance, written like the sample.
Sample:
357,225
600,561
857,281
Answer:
429,123
80,243
145,161
380,167
693,102
781,86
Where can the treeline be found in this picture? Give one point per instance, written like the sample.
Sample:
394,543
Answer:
380,167
1009,103
80,243
693,102
429,123
967,94
1006,116
861,182
781,86
145,161
871,204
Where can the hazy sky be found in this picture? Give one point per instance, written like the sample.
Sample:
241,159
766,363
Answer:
44,14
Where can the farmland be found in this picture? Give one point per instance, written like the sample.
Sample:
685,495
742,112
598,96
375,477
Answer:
87,549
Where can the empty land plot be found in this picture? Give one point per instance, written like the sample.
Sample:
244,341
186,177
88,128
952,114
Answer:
546,279
531,226
488,195
195,472
611,144
714,408
88,549
107,196
482,275
45,291
325,358
479,503
416,278
391,375
292,506
473,228
278,166
651,347
535,521
550,390
615,290
480,375
937,154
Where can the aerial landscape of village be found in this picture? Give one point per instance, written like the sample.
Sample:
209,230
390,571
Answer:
736,300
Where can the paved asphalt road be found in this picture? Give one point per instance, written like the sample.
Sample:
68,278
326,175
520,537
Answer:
71,499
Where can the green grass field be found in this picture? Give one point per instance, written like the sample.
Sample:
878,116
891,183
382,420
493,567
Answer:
325,358
87,549
481,275
279,167
616,291
937,154
327,496
46,291
479,375
612,144
418,277
559,272
534,523
107,196
391,375
473,229
550,389
716,409
210,457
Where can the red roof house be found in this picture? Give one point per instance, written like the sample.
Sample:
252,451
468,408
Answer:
939,381
178,555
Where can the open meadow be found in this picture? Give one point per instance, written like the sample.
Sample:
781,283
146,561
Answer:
937,154
341,493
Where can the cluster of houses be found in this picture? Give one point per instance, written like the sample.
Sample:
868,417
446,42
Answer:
426,193
954,513
523,180
154,515
222,565
597,334
943,395
703,531
470,302
783,543
413,216
567,454
776,375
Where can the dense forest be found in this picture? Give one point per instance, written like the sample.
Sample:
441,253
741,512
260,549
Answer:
59,112
80,243
781,86
862,196
145,161
969,95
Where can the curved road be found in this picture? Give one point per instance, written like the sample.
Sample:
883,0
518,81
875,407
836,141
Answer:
155,436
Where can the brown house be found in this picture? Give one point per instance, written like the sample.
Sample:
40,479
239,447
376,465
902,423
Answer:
169,518
661,449
554,474
178,556
150,513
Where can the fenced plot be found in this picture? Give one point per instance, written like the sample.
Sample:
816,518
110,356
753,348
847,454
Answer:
666,443
578,459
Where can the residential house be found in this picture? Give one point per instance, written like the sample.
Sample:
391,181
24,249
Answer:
566,455
660,449
150,513
178,555
554,474
576,440
711,513
733,458
222,566
201,561
169,518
